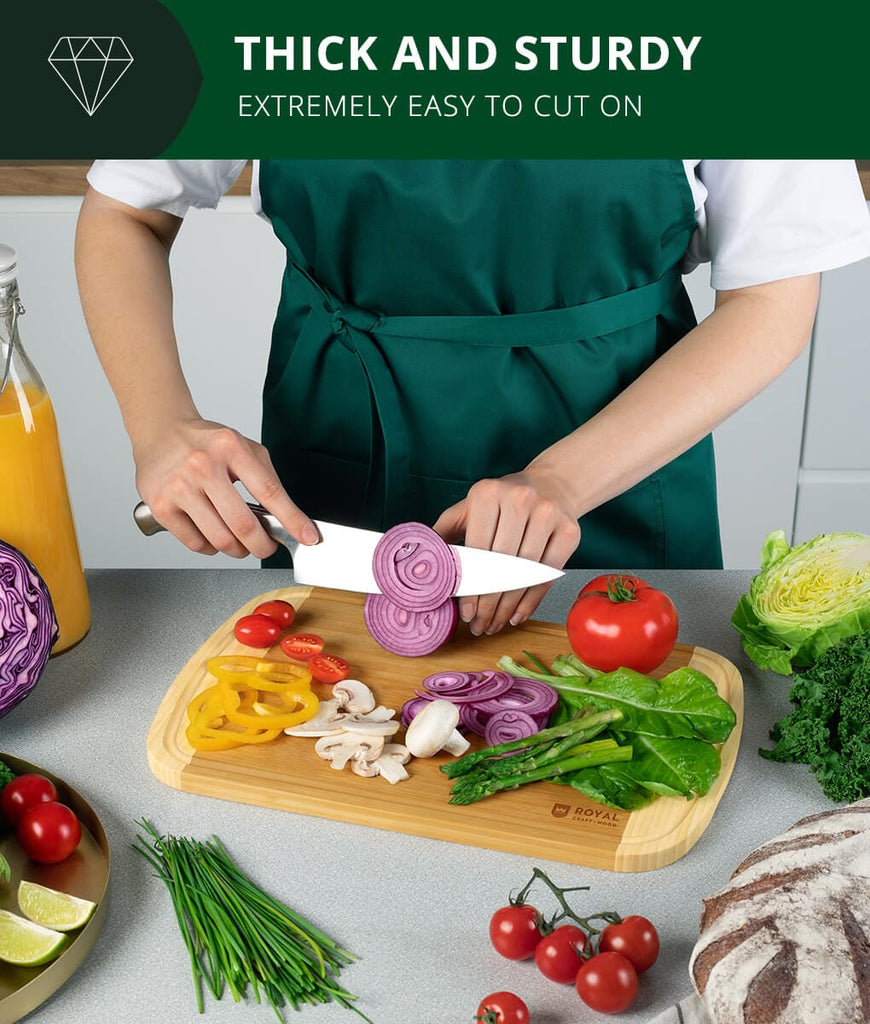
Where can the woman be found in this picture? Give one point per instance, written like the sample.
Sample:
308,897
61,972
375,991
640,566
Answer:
502,349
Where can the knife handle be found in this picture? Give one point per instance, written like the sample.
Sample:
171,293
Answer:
144,519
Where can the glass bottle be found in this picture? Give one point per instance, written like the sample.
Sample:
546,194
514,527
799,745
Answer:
35,512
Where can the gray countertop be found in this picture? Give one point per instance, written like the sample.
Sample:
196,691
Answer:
415,910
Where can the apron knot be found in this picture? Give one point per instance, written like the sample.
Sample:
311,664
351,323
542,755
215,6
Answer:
349,318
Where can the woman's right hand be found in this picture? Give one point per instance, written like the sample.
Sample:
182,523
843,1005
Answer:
187,475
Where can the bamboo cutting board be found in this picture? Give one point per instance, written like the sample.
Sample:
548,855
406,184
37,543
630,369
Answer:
544,819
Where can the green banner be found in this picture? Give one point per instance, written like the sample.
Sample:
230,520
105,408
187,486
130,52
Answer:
265,78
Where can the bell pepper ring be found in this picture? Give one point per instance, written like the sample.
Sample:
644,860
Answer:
239,699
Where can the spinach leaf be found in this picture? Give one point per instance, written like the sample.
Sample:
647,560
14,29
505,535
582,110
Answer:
683,704
658,767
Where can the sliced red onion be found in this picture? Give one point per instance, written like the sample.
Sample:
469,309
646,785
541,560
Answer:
507,726
412,707
28,626
415,567
407,632
533,696
473,719
447,682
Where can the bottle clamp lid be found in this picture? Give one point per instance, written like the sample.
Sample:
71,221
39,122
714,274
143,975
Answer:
8,264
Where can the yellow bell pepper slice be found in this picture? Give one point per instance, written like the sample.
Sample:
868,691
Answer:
297,705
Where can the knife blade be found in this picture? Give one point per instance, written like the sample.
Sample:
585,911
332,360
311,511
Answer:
343,558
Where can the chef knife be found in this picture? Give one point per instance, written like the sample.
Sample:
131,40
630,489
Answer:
343,558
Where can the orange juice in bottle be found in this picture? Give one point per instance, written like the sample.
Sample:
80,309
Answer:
35,512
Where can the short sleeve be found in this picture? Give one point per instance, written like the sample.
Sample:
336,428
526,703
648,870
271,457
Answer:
763,220
170,185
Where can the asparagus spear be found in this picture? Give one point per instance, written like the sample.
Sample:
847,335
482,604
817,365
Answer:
579,729
470,788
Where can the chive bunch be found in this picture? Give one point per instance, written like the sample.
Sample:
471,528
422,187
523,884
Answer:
237,935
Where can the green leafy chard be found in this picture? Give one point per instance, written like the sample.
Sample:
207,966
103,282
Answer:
658,767
652,737
685,703
829,727
804,599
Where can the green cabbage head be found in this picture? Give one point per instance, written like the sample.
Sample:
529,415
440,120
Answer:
804,599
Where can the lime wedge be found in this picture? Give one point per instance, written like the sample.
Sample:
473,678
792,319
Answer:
53,909
23,942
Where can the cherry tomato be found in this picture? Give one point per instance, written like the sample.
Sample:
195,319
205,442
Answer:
49,832
636,938
302,646
503,1008
281,611
328,668
23,792
622,621
256,630
515,931
557,954
607,983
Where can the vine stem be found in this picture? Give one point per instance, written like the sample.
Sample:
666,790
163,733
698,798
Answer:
566,912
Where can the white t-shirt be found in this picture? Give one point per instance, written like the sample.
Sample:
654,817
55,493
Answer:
758,220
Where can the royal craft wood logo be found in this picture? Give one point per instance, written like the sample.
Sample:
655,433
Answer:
591,816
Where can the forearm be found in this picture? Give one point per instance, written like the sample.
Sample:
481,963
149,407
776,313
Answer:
123,273
750,338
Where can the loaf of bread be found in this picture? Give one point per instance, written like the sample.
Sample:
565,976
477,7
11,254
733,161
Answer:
787,940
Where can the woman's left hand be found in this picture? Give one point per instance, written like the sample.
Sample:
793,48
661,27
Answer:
526,514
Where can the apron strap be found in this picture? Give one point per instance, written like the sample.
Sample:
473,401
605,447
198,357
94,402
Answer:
359,331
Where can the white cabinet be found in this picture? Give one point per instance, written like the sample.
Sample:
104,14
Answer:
834,481
223,313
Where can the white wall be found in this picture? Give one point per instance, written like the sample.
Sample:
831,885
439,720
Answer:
228,265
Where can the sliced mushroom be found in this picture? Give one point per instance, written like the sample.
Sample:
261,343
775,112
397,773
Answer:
434,728
327,721
338,750
353,695
391,762
368,769
371,726
348,746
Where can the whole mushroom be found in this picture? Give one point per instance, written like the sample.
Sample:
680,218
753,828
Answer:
434,728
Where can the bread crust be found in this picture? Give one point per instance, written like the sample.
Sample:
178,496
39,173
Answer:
787,939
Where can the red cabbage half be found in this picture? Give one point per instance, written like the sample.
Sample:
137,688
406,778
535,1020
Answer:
28,626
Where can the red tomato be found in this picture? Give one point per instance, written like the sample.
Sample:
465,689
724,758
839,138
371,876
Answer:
620,621
23,792
49,832
302,646
607,983
328,668
503,1008
515,931
557,954
256,630
636,938
281,611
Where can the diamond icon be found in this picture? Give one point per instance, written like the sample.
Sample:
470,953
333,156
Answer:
90,66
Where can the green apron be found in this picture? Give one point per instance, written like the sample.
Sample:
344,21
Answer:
445,321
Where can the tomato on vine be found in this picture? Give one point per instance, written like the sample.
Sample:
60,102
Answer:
607,983
636,938
559,955
621,621
503,1008
515,931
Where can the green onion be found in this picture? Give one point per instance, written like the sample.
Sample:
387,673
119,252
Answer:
238,936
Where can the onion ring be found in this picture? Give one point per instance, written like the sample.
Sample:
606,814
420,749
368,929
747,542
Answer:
407,632
415,567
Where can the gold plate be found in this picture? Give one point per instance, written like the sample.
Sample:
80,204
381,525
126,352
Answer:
85,873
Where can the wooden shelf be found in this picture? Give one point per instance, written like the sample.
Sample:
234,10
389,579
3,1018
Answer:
50,178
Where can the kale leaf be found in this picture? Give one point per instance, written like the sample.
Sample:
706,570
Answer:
829,726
